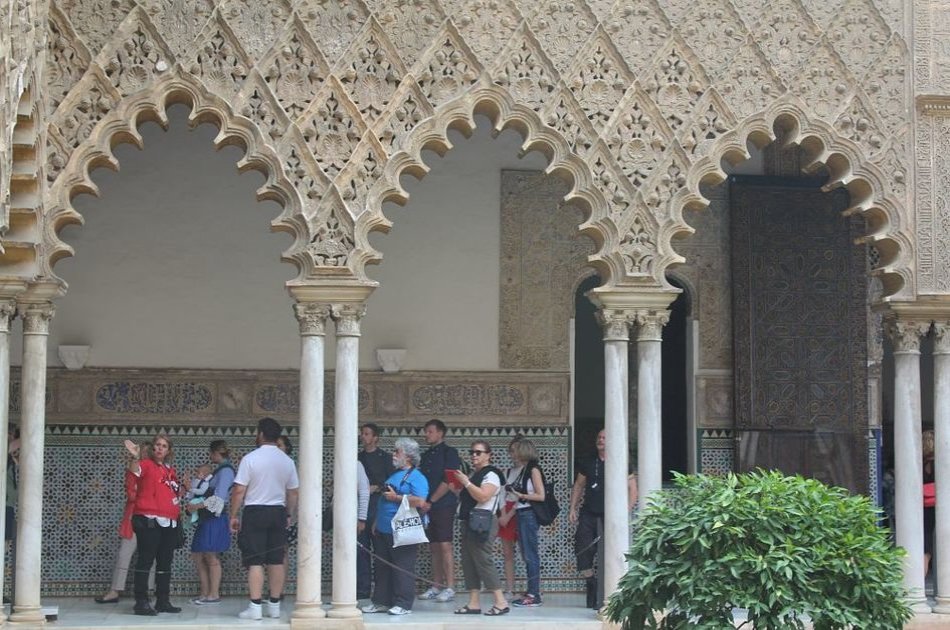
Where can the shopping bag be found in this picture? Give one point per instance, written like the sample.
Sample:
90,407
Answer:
407,525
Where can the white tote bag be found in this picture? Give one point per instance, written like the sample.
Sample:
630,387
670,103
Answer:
407,525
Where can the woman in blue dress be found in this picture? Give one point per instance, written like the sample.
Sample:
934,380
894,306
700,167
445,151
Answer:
213,535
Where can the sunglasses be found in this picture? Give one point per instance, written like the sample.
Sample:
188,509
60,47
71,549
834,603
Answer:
474,452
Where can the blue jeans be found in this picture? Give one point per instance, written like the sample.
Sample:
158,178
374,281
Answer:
528,541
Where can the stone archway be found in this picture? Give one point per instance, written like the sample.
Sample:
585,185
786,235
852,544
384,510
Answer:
120,126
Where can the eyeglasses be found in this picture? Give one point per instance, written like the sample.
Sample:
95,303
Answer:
474,452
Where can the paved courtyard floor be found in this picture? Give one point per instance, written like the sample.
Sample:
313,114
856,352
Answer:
560,611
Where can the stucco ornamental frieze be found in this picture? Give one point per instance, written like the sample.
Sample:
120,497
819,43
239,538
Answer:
154,398
634,104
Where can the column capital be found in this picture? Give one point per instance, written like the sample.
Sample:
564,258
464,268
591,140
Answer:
7,313
942,337
36,317
650,323
906,333
347,317
616,323
312,318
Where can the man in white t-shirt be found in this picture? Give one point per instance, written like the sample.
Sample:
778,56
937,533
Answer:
266,484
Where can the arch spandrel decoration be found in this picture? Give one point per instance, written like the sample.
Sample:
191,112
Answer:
636,113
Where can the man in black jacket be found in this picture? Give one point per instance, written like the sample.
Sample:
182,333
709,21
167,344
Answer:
378,465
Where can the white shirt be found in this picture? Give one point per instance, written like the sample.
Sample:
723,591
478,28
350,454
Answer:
362,492
268,474
491,502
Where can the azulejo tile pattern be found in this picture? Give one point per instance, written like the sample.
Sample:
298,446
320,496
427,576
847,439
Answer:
83,499
716,451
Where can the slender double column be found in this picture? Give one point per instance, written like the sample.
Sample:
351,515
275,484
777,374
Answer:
7,312
908,477
345,448
616,325
312,319
942,462
650,325
29,540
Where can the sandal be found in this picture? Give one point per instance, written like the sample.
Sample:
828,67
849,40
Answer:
494,611
465,610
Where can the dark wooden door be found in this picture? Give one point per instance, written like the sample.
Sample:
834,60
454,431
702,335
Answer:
800,325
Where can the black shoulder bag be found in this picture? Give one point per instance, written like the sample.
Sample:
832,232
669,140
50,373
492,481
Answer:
480,519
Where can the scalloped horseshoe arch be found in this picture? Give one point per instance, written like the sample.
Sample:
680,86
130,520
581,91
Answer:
121,126
495,103
848,167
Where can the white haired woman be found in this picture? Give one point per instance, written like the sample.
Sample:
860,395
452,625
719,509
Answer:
395,573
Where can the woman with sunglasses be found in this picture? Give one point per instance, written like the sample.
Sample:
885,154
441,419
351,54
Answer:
480,492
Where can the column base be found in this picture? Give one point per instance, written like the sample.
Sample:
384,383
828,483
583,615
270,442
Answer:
920,607
344,611
28,616
307,611
943,605
326,624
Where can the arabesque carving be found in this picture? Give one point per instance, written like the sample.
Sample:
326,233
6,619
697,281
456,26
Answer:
634,103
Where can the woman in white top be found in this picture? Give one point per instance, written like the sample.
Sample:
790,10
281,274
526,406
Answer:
508,520
478,504
528,487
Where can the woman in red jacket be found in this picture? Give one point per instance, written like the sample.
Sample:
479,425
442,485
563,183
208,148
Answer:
127,536
155,517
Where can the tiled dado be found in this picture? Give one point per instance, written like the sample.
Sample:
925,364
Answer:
83,500
226,397
716,451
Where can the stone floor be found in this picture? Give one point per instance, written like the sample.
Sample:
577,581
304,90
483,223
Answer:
564,610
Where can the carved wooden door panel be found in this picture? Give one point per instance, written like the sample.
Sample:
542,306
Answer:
800,325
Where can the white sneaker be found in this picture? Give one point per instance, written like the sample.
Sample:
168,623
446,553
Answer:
432,593
273,609
399,610
445,596
374,608
253,612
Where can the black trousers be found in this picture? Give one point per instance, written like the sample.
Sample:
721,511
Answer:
364,563
395,586
584,537
155,545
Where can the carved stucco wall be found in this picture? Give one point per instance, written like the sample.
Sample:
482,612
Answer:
932,143
635,102
542,263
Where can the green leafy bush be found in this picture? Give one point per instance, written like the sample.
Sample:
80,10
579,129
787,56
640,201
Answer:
781,547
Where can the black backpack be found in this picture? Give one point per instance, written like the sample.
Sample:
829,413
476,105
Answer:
546,511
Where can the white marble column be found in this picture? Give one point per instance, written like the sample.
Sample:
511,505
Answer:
312,320
345,449
908,464
942,463
649,402
616,325
7,311
26,604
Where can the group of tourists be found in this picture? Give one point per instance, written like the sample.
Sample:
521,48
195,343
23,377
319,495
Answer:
434,486
158,505
487,502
